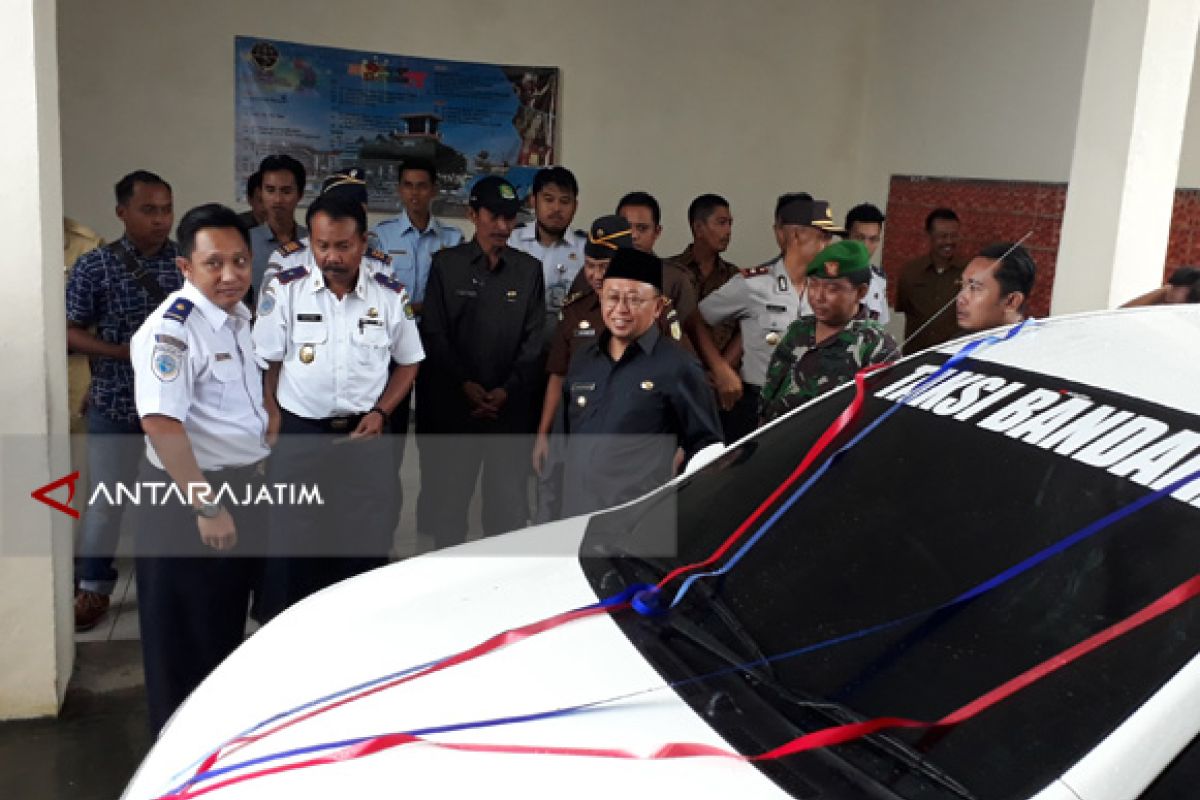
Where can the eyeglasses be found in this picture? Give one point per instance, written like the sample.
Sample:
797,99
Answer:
633,301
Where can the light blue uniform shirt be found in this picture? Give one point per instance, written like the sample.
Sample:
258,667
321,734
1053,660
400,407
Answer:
412,250
263,243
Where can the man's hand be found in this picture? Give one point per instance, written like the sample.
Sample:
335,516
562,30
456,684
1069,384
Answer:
219,533
274,420
541,451
369,426
495,399
475,394
727,384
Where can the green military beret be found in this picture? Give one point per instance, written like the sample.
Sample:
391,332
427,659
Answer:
845,259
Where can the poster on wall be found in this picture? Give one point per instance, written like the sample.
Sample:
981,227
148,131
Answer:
334,108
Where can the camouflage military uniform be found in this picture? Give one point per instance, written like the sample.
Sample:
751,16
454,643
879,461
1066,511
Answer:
801,368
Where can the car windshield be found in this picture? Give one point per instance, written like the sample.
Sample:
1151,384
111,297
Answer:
952,490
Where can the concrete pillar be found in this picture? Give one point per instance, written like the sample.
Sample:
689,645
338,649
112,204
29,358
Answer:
36,629
1126,160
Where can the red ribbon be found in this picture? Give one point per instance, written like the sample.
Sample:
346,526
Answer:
836,427
826,737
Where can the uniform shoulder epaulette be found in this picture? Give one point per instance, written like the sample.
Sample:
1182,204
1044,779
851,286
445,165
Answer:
379,255
179,309
571,298
289,275
668,303
754,272
388,281
290,248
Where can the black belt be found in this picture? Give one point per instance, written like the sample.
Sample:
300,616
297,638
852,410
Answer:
341,424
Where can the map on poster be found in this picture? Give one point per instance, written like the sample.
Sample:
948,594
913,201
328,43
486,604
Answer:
332,108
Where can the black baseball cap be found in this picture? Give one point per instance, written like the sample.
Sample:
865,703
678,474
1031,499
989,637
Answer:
496,195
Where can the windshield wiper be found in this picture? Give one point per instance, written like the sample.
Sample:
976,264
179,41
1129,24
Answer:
758,669
837,713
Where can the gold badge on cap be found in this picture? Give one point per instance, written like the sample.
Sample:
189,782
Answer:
307,354
832,268
647,385
772,338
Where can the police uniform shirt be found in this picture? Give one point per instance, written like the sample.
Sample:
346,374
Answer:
876,299
334,354
411,250
764,303
623,419
263,243
194,362
300,254
561,261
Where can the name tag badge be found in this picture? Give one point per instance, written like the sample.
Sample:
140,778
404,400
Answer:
776,309
585,332
466,292
222,356
308,317
583,387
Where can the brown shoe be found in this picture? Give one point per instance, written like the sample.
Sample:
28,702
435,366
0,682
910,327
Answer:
90,608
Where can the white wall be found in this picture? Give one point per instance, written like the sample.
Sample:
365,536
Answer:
746,99
974,89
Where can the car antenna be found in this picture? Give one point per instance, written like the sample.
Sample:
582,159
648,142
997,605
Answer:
900,347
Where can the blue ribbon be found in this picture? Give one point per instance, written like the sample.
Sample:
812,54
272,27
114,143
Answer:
958,357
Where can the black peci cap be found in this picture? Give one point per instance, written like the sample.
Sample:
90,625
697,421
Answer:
635,265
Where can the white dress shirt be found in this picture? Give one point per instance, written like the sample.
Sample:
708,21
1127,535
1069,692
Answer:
334,354
194,362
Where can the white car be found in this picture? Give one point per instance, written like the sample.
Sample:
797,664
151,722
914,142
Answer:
1042,489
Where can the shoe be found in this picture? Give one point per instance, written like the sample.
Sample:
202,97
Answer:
90,608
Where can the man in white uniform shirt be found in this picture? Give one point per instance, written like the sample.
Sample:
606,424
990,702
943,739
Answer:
198,391
328,336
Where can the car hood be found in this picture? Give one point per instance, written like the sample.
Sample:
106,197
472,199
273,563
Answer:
425,608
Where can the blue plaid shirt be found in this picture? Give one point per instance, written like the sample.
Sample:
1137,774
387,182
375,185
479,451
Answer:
102,293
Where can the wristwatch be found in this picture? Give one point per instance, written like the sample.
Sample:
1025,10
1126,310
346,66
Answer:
208,510
380,411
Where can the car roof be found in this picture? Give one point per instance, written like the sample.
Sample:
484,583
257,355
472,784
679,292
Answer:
1149,353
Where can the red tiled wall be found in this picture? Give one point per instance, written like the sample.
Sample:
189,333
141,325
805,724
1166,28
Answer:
1004,211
